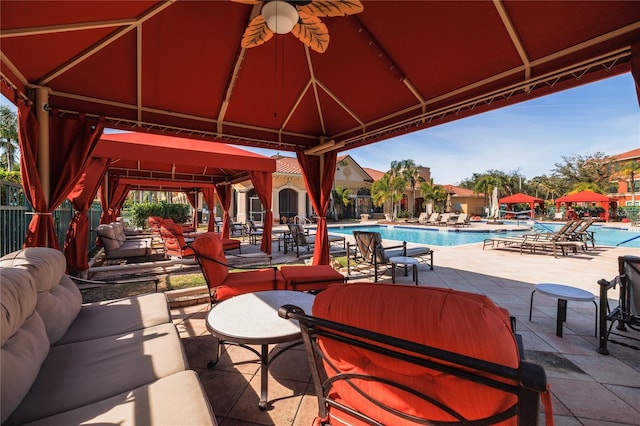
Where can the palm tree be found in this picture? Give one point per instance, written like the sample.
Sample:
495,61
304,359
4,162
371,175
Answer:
342,197
381,190
410,174
485,185
630,168
8,137
432,192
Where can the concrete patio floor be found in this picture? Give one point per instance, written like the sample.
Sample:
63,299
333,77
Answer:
587,388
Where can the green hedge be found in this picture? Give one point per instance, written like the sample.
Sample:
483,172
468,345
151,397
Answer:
179,213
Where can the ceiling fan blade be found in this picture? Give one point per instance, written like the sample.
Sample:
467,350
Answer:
256,33
332,7
247,1
312,32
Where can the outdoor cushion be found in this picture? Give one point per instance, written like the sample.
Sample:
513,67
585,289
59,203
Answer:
164,401
119,316
25,344
223,285
107,236
249,282
310,278
173,238
101,368
59,299
465,323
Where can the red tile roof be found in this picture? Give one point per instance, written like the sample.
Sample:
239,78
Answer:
634,153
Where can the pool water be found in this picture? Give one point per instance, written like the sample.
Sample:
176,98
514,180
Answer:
453,237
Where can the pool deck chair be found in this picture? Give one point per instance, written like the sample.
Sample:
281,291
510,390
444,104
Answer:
446,357
627,313
369,253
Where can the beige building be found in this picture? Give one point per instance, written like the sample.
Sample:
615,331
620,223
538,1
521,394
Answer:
289,195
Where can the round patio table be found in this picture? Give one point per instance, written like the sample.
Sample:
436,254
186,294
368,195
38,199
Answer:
252,319
406,261
563,293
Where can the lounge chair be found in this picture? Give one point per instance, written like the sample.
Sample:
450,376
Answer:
117,246
424,218
582,233
300,237
369,253
462,220
444,219
627,313
395,355
433,219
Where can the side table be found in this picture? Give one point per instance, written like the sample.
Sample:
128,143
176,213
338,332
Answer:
563,293
406,261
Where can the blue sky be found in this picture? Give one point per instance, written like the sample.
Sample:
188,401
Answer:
529,137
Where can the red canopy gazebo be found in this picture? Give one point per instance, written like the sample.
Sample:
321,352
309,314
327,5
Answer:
125,161
586,196
141,66
522,198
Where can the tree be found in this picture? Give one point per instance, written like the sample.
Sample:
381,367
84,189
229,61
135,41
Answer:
342,197
630,168
434,193
590,168
381,190
8,138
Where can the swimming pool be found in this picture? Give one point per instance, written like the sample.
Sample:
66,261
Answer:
447,236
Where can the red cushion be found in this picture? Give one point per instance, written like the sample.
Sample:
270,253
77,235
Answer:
230,244
248,282
309,278
209,246
461,322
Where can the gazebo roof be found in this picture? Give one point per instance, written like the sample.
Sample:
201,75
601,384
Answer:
520,198
176,67
148,161
583,197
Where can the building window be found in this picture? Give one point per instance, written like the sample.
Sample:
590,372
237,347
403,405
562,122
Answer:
288,203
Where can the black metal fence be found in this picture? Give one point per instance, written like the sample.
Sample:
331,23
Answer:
16,213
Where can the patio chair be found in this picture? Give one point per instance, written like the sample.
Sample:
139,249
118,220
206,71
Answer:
627,313
445,357
300,237
175,242
443,220
237,229
582,233
369,253
253,231
462,220
223,284
433,219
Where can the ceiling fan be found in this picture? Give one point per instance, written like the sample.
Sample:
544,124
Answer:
300,17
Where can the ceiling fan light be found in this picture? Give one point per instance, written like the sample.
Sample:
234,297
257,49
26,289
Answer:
280,16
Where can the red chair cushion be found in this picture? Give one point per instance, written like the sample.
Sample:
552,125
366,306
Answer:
249,282
465,323
230,244
209,246
310,278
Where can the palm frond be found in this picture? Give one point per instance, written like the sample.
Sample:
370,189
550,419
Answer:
312,32
332,7
256,33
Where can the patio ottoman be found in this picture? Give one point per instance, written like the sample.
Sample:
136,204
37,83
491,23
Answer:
310,278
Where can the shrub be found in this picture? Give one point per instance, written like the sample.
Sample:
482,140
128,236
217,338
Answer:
140,212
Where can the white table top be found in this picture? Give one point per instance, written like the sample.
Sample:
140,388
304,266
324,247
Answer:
564,292
252,318
401,260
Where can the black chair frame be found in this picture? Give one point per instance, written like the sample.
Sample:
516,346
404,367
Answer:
621,314
527,381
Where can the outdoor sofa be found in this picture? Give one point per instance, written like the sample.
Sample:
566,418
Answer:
116,244
65,363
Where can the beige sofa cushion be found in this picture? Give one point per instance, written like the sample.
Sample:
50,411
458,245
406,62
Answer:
108,238
59,299
178,399
119,316
24,338
118,230
83,373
